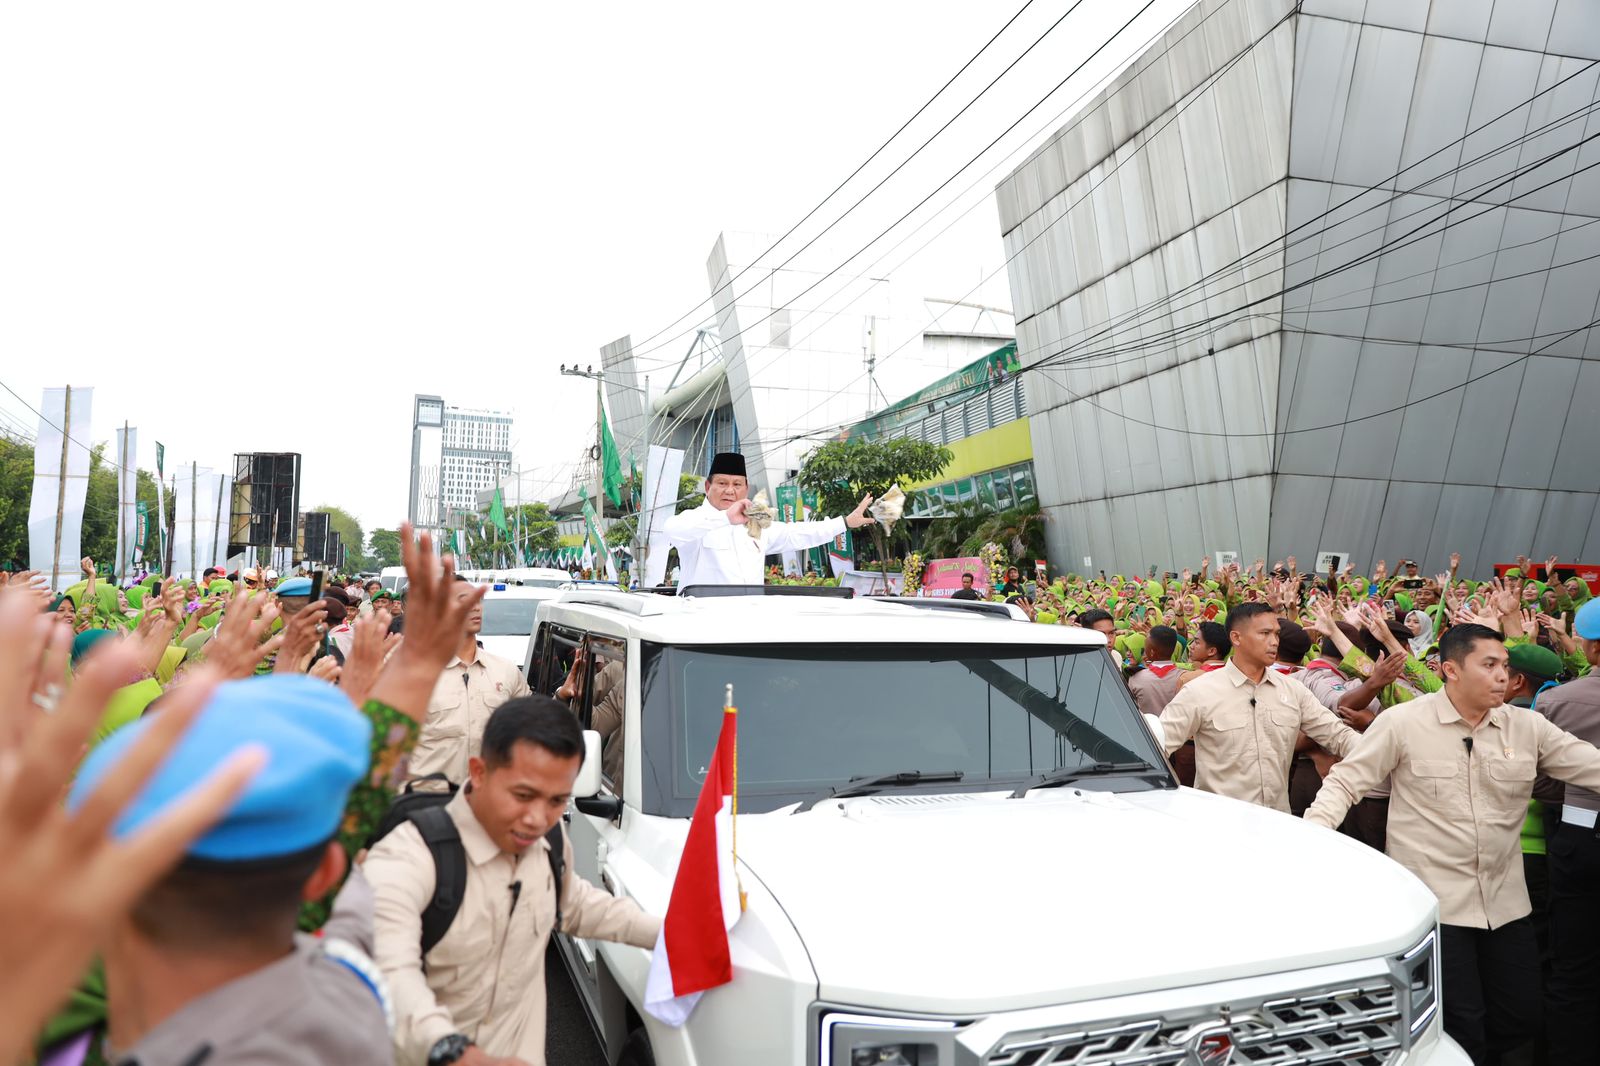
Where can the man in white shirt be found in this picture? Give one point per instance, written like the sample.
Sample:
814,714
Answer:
715,548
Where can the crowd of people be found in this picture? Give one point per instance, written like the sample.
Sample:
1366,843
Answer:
307,830
1449,722
220,849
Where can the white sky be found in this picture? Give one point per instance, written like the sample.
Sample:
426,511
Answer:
263,228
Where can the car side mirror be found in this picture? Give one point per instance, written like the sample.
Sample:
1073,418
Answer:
588,783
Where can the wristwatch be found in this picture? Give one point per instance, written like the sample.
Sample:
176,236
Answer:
448,1049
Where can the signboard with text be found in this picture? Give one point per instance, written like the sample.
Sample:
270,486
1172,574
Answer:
944,575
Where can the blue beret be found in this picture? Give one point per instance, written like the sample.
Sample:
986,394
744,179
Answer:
317,747
294,586
1587,621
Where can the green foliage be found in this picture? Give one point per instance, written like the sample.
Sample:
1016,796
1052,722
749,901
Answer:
344,523
385,545
16,493
842,471
1019,530
493,549
689,494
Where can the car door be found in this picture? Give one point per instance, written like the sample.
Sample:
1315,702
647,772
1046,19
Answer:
603,708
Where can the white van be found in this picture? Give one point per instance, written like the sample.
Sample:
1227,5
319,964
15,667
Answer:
962,846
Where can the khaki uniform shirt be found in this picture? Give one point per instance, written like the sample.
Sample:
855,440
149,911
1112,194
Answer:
463,699
1575,707
1244,733
308,1007
1151,692
1455,819
485,978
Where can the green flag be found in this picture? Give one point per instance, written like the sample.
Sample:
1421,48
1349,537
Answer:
610,463
633,471
497,512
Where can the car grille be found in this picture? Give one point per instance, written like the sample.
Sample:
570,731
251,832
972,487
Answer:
1346,1026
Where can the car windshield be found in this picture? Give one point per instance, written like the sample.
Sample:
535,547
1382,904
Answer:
509,617
813,716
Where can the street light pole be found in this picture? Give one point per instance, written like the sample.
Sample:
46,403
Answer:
599,434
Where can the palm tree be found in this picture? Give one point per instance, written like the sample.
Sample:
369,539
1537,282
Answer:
1019,530
947,537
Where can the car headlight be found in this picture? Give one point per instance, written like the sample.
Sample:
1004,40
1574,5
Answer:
869,1040
1416,975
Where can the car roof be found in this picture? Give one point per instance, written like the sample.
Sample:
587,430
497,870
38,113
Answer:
520,592
787,620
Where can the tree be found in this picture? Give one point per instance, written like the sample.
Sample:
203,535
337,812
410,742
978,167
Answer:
385,545
343,523
840,472
16,493
689,494
539,533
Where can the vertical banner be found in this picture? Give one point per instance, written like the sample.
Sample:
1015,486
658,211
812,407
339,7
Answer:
841,553
127,503
789,511
199,539
598,541
161,508
60,483
141,535
663,468
816,558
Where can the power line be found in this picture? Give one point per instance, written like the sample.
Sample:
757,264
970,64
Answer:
1003,133
876,152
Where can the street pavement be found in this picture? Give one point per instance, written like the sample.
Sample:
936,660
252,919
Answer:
569,1038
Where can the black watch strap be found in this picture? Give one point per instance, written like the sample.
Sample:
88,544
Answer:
448,1049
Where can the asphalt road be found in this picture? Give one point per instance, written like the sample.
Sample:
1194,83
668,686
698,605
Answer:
569,1039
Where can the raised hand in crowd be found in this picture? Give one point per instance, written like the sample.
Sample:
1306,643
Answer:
300,638
370,647
436,619
65,881
240,643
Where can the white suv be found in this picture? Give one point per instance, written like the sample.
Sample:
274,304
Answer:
962,847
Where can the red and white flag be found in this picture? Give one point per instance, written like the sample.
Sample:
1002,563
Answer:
691,954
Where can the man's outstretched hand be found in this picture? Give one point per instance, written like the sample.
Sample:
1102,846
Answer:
859,517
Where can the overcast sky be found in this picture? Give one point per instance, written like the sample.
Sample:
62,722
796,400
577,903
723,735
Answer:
263,228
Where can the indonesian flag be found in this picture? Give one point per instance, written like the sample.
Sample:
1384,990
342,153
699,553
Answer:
691,954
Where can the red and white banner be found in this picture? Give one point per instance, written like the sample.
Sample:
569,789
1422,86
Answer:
691,954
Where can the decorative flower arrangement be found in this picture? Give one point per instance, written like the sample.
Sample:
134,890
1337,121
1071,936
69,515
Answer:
994,557
912,572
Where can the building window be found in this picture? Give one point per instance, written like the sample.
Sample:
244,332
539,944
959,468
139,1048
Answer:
986,490
1002,490
1022,478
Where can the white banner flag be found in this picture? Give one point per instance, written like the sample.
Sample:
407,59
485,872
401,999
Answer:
663,467
199,534
127,501
60,482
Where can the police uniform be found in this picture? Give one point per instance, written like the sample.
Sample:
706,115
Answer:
1573,863
323,1000
714,551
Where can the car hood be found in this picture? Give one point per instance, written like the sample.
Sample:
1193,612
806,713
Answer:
962,903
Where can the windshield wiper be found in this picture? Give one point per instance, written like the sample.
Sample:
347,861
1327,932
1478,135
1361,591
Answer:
862,786
1065,775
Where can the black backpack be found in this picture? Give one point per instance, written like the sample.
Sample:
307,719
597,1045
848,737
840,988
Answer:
426,811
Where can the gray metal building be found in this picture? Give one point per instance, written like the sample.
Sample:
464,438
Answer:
1321,278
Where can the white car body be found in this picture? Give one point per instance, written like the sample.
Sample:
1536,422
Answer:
1162,922
509,612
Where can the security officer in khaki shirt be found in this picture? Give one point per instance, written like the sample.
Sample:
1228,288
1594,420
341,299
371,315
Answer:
473,684
1246,718
1463,765
479,997
1573,847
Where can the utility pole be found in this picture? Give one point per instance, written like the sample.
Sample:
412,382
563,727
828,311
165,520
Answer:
599,436
194,500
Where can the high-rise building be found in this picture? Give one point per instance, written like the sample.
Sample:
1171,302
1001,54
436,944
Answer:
455,452
1317,278
475,454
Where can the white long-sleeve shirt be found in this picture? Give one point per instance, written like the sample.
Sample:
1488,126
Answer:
713,551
